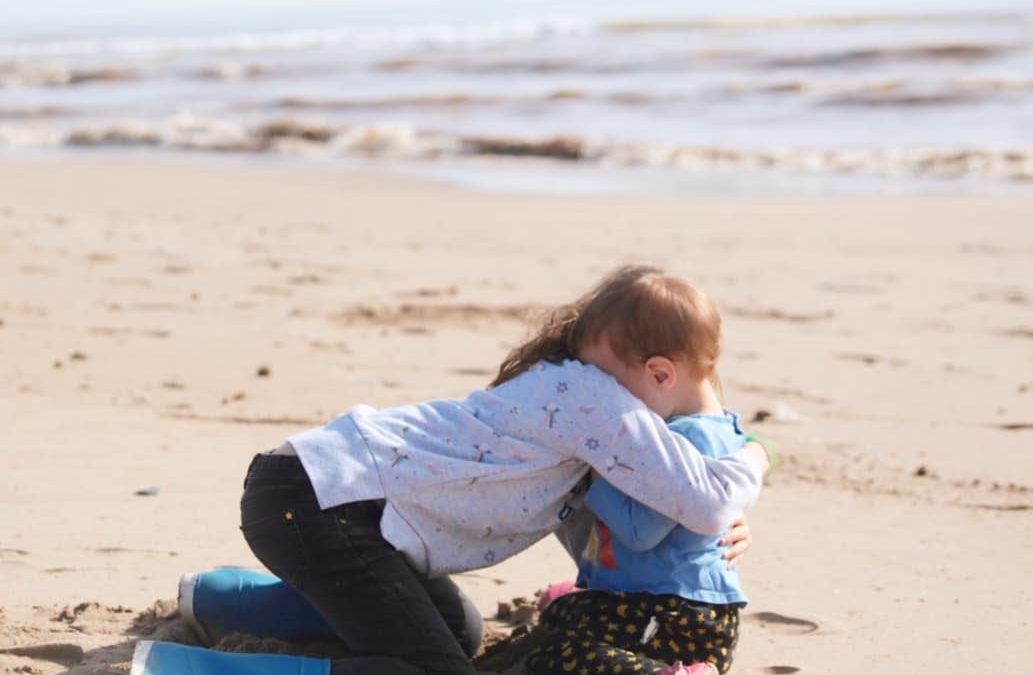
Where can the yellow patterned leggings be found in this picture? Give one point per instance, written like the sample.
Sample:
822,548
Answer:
599,633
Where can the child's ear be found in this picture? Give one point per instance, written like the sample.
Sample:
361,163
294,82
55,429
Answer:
662,370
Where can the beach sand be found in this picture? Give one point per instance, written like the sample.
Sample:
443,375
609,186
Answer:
161,321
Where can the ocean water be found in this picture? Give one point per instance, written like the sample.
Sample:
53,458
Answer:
579,93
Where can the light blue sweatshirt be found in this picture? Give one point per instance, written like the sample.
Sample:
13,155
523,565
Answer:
636,549
469,483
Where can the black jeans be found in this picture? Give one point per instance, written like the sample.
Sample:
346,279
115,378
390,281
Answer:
391,618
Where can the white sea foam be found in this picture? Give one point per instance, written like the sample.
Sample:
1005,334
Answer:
393,142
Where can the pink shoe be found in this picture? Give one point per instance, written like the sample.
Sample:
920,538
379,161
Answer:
694,669
554,591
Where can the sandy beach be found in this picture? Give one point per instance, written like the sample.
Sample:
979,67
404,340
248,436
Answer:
163,320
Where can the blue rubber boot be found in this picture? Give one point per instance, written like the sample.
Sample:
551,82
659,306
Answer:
169,658
233,600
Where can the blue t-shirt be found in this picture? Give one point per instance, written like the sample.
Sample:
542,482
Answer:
638,550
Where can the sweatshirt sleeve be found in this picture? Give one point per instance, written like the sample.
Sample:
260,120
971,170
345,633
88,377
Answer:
635,525
600,423
585,414
637,453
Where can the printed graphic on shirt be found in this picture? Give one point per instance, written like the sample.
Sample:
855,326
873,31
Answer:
599,549
397,456
616,463
551,409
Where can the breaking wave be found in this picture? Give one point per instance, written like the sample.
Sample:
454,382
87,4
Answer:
406,142
888,92
950,52
36,112
62,76
676,61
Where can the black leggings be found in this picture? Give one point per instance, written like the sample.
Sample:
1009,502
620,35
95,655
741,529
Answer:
392,619
632,633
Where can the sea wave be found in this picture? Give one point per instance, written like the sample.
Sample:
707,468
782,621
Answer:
485,65
676,61
64,72
812,21
460,99
231,72
589,63
893,84
961,52
824,92
36,112
444,100
890,92
405,142
44,73
53,75
354,37
903,98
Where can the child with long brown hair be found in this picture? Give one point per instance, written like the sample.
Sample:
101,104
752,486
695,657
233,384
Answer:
366,516
657,594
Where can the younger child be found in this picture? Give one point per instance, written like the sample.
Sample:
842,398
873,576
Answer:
657,593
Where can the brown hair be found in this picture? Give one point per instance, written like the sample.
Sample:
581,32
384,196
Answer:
641,311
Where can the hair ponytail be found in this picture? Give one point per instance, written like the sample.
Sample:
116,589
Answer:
568,326
551,343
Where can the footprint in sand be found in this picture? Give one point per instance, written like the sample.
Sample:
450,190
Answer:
12,556
872,359
781,623
108,330
473,372
272,290
306,280
850,288
1023,332
785,625
779,314
429,292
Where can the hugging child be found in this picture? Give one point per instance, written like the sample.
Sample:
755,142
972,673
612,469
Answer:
657,594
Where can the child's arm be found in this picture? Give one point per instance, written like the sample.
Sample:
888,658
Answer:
647,461
635,525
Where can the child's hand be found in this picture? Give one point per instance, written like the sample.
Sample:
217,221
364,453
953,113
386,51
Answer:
737,541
